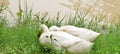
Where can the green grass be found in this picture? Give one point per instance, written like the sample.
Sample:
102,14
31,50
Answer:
19,40
22,38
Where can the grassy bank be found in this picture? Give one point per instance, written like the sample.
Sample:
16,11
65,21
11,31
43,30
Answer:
22,38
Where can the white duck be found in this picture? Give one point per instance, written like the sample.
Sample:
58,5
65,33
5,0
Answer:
45,40
62,40
80,32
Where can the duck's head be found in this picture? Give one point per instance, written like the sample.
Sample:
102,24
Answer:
43,28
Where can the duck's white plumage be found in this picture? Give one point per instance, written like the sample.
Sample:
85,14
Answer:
44,33
84,48
54,28
62,40
71,43
80,32
44,28
45,39
70,38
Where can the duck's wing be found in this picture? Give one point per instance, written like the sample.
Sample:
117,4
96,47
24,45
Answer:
74,30
72,43
82,33
65,39
70,29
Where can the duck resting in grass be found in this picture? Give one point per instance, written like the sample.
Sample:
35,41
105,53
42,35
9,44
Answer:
82,33
63,40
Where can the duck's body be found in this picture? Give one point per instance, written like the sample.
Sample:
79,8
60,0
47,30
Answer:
62,40
72,44
58,39
80,32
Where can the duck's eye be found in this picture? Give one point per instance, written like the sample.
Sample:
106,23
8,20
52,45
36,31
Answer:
46,36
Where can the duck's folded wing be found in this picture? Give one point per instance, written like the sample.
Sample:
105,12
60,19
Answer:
65,39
